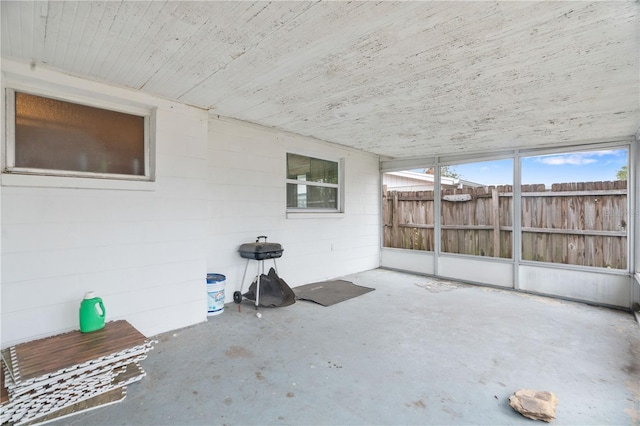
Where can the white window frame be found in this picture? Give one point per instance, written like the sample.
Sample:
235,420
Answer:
24,176
293,212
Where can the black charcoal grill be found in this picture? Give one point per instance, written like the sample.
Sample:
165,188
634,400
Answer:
260,250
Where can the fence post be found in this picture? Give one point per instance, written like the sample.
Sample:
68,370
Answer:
495,207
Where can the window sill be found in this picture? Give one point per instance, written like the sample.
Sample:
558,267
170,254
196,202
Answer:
75,182
314,215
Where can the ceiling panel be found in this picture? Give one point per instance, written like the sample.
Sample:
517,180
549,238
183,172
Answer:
400,80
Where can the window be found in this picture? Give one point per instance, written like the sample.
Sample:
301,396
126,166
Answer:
574,208
408,209
50,136
476,205
313,184
475,208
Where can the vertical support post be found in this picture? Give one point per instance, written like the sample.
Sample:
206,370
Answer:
437,216
516,218
385,215
633,219
495,207
395,222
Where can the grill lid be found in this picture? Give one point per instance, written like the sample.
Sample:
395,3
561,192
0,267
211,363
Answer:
261,249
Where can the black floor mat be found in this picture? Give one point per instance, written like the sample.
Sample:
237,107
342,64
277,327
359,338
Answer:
329,293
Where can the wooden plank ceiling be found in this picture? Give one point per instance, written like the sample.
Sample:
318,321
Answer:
399,80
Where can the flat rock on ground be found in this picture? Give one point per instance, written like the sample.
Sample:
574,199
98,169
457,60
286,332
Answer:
536,405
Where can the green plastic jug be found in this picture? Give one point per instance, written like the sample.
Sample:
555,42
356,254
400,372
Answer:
92,313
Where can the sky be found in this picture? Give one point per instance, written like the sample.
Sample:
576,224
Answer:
587,166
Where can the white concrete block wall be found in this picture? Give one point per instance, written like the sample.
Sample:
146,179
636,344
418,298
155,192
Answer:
247,171
143,251
146,252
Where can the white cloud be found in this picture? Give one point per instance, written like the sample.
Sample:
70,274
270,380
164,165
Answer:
577,159
560,160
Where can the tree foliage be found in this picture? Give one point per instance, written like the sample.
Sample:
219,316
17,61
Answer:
446,171
622,173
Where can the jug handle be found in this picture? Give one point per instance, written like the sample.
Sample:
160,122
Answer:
102,309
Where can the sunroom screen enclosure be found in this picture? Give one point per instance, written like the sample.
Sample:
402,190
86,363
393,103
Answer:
550,222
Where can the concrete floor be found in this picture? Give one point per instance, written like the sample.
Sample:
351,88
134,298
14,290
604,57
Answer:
417,350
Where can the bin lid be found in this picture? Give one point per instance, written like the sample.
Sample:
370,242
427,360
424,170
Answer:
215,278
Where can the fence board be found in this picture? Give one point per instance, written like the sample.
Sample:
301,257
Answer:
577,223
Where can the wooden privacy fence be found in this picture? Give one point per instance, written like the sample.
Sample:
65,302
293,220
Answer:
583,223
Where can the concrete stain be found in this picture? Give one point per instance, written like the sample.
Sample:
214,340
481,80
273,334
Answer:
419,404
440,286
238,352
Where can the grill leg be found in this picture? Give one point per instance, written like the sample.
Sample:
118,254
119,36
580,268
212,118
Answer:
260,263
